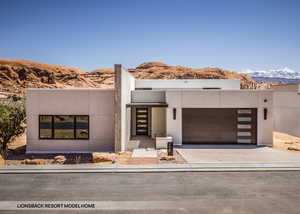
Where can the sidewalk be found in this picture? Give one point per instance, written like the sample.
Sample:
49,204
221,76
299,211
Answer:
209,167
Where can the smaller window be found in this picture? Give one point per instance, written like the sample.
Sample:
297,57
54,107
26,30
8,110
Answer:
244,119
244,126
244,134
244,141
64,127
244,111
82,127
46,127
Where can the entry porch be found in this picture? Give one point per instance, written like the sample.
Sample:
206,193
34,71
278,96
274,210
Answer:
147,122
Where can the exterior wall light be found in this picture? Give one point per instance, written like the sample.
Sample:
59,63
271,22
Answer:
265,113
174,113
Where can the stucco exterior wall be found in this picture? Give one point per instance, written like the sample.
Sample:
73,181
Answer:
97,103
225,84
158,125
127,85
286,87
287,112
179,99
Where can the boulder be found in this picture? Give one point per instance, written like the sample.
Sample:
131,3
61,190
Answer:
60,159
22,74
51,79
2,162
167,158
103,157
34,161
293,149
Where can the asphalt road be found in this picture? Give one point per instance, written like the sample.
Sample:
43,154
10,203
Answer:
175,192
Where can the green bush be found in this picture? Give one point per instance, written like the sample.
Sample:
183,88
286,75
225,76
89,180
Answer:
12,122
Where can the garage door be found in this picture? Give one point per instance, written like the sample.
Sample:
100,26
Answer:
219,125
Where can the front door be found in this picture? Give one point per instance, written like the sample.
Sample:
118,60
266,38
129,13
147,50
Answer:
142,121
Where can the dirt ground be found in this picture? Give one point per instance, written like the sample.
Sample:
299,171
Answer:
1,161
16,156
285,142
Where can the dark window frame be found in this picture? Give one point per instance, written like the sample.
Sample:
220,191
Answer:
75,127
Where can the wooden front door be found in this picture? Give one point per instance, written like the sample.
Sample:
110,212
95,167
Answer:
142,121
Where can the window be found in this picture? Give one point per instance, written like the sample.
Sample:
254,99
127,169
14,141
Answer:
64,127
244,111
46,127
82,127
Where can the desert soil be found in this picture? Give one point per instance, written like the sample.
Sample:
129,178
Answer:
285,142
17,154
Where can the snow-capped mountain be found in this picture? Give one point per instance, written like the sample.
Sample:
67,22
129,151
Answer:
276,75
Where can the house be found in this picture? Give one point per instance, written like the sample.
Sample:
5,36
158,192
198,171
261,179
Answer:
214,111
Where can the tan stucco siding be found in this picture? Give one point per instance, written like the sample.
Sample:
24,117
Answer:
179,99
158,124
287,112
97,103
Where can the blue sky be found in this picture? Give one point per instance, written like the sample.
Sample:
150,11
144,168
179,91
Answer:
90,34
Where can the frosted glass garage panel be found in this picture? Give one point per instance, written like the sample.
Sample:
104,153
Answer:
244,134
244,126
244,141
244,119
244,111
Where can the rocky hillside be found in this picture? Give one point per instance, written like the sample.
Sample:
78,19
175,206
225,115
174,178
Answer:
158,70
17,75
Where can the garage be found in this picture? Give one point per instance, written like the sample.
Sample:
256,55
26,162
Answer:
219,125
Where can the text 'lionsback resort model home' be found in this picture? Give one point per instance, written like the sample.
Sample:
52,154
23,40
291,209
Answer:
187,111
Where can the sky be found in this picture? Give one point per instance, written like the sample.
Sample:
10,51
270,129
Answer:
91,34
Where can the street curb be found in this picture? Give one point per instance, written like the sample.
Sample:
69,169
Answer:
205,167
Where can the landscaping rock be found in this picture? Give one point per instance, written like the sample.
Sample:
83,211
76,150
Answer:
34,161
1,161
60,159
167,158
103,157
293,149
125,153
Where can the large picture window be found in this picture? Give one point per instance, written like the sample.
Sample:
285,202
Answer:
64,127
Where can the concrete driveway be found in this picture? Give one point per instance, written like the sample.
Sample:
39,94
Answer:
235,154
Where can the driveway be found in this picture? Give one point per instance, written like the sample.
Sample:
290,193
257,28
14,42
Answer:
235,154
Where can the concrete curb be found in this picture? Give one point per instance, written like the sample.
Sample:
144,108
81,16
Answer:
204,167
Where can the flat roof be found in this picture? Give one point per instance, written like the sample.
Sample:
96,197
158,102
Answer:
208,90
58,89
147,104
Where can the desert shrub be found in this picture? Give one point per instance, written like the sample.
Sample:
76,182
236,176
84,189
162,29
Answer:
12,122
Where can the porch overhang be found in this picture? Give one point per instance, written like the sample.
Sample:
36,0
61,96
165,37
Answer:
147,105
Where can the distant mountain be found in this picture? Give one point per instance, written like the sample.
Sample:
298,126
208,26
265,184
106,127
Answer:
285,75
273,80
